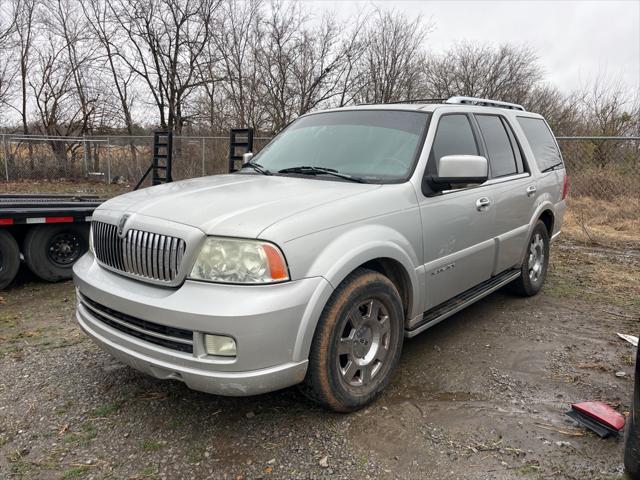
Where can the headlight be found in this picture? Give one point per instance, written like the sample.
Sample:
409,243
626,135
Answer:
229,260
91,240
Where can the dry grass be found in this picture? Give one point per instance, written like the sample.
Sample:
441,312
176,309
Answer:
65,186
599,222
595,274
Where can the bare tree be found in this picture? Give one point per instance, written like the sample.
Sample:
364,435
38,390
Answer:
393,60
64,19
51,83
26,12
507,72
8,23
120,77
559,109
607,110
236,38
165,41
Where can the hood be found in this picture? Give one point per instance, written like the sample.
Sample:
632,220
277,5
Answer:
239,205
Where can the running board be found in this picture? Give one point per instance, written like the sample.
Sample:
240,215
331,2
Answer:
445,310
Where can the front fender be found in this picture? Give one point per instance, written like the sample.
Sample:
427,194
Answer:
340,253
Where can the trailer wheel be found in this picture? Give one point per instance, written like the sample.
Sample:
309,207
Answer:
9,258
51,250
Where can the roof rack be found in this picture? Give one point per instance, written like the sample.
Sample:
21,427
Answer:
418,100
484,102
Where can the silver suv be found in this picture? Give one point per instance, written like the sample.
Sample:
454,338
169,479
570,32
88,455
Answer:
354,228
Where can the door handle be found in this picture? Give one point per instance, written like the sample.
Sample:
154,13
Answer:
483,204
531,189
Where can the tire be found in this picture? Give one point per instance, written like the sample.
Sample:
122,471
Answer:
632,440
51,250
353,355
535,265
9,258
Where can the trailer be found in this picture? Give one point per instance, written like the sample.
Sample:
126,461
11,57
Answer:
50,232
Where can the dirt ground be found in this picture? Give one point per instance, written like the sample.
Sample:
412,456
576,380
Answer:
481,395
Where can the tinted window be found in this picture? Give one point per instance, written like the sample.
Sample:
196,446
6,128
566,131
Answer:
542,143
379,146
515,146
499,150
454,137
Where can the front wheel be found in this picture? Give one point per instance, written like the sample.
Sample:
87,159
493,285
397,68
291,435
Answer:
357,343
535,265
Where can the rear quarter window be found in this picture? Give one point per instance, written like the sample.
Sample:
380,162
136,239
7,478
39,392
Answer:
542,142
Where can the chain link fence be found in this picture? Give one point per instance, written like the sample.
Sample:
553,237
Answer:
599,167
108,159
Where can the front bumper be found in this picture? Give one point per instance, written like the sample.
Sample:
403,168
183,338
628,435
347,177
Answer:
265,322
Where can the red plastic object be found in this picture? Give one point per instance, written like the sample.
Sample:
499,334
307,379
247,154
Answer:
601,413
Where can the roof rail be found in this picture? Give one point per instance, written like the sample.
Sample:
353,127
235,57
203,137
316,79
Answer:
418,100
484,102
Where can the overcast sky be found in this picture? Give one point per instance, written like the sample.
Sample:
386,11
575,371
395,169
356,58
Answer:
576,40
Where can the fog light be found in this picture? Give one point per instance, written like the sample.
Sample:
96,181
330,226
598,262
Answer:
219,345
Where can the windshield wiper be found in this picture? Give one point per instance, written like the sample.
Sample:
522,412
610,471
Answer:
308,170
552,167
257,167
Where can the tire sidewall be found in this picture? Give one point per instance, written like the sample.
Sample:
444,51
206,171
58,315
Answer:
36,243
530,287
361,287
10,258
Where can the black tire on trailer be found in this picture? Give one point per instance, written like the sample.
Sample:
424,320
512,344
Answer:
9,258
51,250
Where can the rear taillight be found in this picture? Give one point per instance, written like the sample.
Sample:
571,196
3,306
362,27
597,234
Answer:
565,186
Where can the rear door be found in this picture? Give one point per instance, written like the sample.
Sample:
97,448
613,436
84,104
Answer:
458,224
513,188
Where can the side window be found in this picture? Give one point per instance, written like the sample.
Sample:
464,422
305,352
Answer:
540,138
516,147
499,149
454,136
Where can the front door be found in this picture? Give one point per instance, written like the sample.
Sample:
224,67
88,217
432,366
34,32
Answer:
458,224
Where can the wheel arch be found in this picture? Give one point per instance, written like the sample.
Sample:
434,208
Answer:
548,218
393,257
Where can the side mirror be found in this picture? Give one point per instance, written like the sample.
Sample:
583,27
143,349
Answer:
246,157
462,169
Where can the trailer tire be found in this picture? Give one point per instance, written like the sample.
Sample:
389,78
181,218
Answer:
9,258
51,250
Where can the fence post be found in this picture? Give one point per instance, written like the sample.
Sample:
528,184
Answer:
6,157
109,160
203,157
85,156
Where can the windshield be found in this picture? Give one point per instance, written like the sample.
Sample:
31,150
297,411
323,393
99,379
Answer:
374,145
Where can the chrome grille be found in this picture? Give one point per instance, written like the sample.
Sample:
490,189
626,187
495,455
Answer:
143,254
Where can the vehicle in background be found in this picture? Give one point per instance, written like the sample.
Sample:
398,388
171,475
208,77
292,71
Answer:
632,443
352,229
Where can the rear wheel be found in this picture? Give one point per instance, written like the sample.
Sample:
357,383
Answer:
9,258
51,250
357,343
534,267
